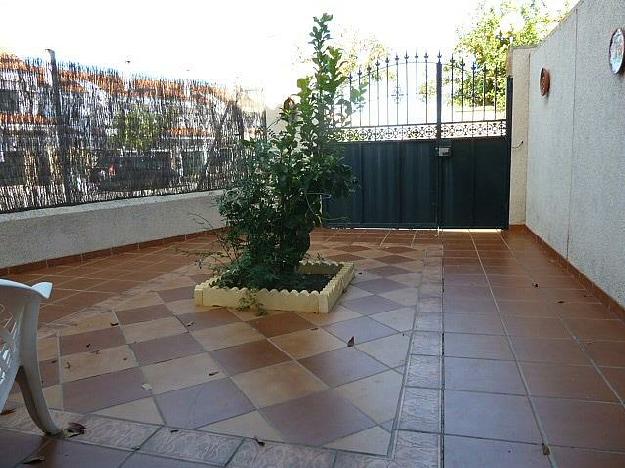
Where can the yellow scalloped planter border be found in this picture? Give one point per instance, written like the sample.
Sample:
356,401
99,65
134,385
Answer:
296,301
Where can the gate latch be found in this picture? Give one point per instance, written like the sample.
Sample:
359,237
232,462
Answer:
443,150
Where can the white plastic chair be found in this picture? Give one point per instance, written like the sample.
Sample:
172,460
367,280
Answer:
19,311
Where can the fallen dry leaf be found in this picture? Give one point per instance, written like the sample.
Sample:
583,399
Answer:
351,342
546,450
34,460
76,427
210,374
114,324
259,442
73,430
67,365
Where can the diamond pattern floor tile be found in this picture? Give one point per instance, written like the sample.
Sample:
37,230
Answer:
103,391
252,425
182,372
89,364
143,314
203,404
164,349
249,356
276,384
307,342
342,366
376,396
280,324
143,410
110,337
380,285
371,304
144,331
316,419
374,440
390,350
226,336
175,294
363,329
207,318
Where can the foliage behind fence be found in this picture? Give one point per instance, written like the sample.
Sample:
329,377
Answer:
73,134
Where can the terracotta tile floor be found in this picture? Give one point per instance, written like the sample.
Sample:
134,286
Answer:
472,349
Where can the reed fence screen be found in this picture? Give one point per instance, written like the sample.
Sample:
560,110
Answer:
72,134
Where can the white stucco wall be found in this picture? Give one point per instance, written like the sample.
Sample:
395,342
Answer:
32,236
519,71
550,137
597,213
576,146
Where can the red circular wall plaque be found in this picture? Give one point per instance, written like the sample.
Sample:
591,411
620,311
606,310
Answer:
617,51
545,81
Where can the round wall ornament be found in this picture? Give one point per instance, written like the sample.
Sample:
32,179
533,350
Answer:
545,81
617,51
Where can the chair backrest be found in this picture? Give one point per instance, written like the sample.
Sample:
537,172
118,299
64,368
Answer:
17,301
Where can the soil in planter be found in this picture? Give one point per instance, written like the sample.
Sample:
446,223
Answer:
308,282
301,282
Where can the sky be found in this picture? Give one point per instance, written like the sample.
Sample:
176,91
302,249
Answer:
252,43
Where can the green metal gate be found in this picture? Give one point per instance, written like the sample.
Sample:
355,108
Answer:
451,170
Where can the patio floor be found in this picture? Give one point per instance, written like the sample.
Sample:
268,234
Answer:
512,355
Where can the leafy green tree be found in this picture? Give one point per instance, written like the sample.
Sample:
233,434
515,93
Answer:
270,213
363,59
358,52
482,49
361,52
367,61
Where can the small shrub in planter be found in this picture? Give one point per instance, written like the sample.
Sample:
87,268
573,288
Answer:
271,212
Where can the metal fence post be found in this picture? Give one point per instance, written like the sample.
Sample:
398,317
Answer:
61,130
509,94
439,97
439,118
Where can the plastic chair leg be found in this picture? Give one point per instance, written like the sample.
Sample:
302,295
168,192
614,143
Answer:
29,380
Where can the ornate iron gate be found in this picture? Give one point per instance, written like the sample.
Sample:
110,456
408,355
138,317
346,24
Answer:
429,144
